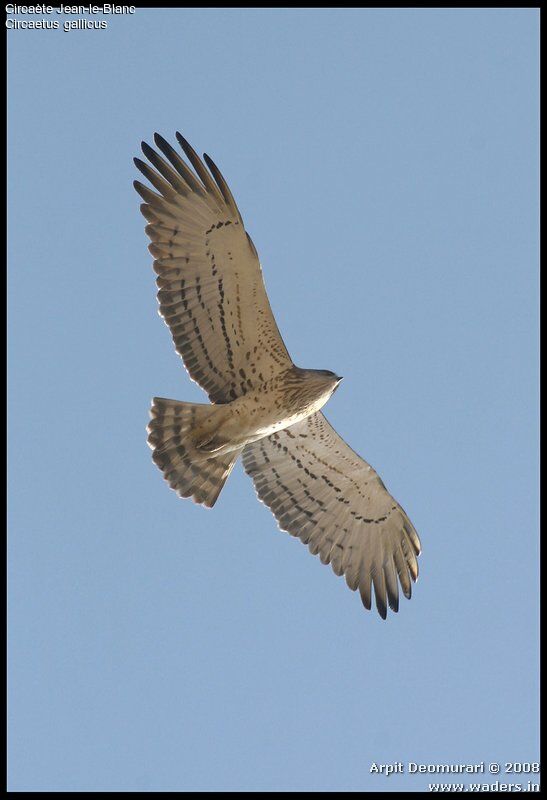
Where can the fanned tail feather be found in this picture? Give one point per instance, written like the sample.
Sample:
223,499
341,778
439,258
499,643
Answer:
187,470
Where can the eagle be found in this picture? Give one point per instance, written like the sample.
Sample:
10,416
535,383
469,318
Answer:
262,406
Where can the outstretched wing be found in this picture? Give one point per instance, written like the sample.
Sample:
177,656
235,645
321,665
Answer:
320,490
211,292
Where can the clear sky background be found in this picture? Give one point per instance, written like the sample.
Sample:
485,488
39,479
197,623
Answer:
386,165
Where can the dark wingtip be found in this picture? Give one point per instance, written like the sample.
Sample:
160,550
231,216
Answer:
394,604
210,163
159,140
143,190
182,141
186,146
140,165
366,602
146,149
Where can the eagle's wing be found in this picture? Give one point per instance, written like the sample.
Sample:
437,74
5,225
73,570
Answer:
211,292
320,490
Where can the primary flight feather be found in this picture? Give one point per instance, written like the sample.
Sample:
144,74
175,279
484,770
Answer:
263,407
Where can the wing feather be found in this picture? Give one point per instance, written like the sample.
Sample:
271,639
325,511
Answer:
210,287
320,490
183,170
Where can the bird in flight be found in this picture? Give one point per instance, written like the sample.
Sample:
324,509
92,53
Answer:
263,407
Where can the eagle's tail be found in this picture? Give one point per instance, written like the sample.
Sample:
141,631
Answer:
189,471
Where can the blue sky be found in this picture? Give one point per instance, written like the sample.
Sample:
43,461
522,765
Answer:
386,165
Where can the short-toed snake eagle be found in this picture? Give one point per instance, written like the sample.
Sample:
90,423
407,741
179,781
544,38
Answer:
264,408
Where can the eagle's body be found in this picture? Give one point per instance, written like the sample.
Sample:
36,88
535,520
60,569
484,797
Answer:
273,406
263,407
